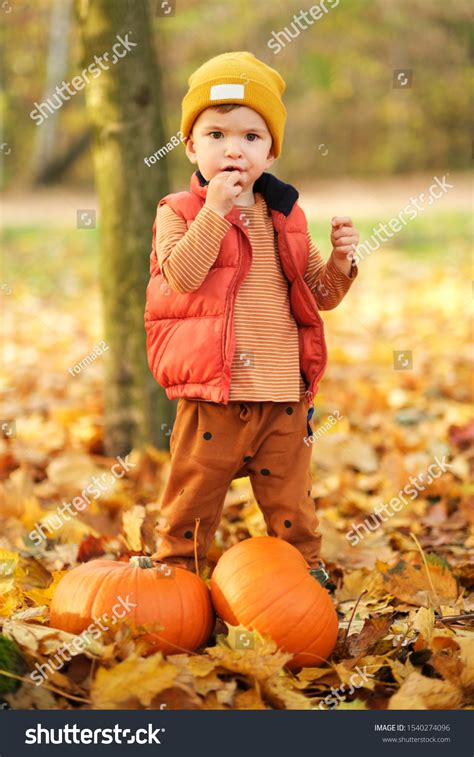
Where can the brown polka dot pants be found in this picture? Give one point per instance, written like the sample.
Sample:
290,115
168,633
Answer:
210,445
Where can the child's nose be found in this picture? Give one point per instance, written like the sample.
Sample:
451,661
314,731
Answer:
233,149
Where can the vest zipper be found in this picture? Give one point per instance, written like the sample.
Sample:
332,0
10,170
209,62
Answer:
228,315
309,394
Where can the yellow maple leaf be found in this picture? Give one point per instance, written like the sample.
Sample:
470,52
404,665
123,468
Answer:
421,693
135,681
356,704
278,691
260,661
44,596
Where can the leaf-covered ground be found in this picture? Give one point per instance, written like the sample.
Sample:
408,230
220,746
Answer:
402,593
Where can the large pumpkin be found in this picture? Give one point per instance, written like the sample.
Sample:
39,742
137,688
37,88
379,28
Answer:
180,601
264,584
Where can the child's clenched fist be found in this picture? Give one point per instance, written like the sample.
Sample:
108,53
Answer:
344,240
223,191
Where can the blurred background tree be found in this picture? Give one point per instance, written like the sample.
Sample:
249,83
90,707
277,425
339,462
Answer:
339,75
123,106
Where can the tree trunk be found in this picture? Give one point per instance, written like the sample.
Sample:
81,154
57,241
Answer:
124,108
52,172
58,56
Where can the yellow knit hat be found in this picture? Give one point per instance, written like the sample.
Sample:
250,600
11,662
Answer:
236,78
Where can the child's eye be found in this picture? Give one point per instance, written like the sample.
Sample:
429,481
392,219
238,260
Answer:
215,132
252,135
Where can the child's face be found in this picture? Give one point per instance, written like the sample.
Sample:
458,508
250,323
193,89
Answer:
239,138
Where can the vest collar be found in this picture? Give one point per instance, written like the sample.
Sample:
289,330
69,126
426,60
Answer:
278,195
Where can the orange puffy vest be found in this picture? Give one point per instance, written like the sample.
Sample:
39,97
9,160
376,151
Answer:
190,337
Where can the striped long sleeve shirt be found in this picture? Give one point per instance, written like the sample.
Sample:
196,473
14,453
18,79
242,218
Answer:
266,361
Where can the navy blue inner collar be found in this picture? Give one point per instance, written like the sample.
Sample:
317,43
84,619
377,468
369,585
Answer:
278,195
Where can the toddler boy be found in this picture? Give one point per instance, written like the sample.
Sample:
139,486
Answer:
232,315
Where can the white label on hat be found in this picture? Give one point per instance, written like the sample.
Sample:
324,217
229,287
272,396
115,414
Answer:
225,91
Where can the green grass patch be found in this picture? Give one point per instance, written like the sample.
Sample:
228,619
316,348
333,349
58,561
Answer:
65,262
48,261
434,234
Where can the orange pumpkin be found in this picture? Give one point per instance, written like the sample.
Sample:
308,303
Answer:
264,584
180,601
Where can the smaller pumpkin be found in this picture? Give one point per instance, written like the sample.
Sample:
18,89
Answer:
141,592
263,583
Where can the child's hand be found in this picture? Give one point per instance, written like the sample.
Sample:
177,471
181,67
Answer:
344,240
223,191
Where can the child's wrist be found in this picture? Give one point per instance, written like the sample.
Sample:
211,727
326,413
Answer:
342,262
219,211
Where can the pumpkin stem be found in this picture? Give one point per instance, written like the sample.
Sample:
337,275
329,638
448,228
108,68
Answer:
141,561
